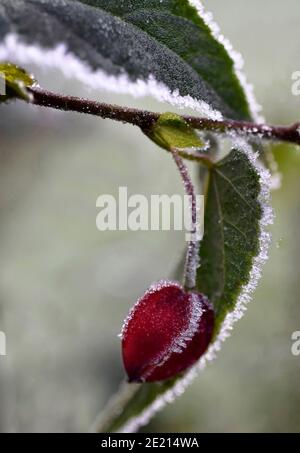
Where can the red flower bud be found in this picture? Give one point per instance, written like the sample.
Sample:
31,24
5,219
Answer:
166,332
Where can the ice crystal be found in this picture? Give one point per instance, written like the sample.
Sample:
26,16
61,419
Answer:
255,108
235,56
156,286
60,58
166,332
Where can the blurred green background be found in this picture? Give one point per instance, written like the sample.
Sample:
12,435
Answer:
65,288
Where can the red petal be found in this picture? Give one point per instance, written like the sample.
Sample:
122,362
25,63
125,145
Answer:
166,332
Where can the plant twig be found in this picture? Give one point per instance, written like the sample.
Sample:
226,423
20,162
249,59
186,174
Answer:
193,246
136,117
145,119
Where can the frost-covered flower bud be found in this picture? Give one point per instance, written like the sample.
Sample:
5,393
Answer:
166,332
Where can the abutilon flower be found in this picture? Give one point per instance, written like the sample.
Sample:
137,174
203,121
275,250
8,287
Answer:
166,332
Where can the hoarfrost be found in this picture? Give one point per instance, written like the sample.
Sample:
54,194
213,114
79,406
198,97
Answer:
187,335
157,286
71,66
192,257
192,263
235,56
179,342
238,62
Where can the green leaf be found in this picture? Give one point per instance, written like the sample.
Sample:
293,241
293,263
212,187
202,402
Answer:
178,26
167,40
16,82
171,131
231,231
128,405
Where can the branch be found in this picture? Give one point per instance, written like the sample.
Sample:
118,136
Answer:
145,119
193,246
136,117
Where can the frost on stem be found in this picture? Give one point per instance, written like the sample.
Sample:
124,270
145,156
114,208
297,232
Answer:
192,258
